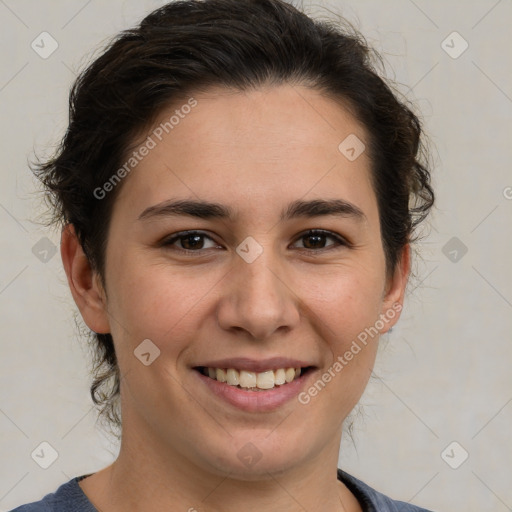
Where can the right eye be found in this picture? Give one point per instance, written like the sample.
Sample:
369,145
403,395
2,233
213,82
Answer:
190,241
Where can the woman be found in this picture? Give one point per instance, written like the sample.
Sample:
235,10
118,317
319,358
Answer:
238,191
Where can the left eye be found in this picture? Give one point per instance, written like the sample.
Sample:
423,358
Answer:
193,241
319,236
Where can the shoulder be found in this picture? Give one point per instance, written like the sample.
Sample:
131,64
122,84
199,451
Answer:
69,497
372,500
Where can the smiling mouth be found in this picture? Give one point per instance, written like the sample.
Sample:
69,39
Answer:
254,381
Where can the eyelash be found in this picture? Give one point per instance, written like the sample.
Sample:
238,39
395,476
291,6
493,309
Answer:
168,242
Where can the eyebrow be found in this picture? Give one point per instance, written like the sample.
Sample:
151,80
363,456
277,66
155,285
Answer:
209,210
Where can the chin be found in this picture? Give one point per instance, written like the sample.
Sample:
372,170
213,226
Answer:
252,457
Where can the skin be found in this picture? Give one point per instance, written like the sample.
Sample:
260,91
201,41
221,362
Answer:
301,297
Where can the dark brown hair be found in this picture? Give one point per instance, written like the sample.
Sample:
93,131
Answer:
188,46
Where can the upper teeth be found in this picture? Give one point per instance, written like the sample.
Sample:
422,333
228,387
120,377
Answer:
245,379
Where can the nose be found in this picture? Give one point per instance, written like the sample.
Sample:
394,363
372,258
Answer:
259,299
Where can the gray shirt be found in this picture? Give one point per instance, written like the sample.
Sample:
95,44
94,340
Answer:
69,497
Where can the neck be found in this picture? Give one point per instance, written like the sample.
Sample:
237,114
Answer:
147,477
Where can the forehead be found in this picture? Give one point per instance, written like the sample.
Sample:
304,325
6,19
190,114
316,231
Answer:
253,148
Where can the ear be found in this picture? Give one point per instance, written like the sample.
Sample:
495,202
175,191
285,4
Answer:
395,290
84,283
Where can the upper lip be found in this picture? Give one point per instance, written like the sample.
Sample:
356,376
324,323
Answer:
255,365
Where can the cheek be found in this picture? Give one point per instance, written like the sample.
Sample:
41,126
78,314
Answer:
347,300
347,308
346,312
156,302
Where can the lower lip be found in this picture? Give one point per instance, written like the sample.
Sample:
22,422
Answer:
256,401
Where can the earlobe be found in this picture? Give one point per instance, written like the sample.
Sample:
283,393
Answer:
395,292
84,282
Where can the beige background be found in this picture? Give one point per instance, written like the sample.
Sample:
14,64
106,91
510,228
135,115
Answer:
443,375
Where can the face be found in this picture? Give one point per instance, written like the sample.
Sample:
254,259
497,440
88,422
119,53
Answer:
276,284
